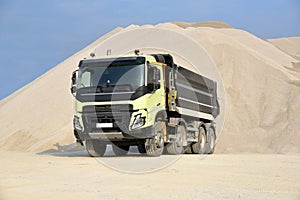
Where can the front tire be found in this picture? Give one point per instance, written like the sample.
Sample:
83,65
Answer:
155,146
95,148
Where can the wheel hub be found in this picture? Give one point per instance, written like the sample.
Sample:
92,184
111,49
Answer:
202,140
212,141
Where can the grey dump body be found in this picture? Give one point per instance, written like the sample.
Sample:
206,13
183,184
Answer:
196,92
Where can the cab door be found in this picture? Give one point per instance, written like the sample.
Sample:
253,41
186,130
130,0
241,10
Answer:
156,84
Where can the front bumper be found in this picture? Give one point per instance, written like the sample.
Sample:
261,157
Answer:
119,117
115,135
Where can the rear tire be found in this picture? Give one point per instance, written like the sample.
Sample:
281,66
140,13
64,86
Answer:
176,147
95,148
188,150
120,150
211,141
200,146
155,146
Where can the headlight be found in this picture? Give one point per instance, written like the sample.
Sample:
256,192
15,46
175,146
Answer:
76,123
138,121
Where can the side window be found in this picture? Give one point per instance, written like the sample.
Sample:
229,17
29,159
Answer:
150,74
157,75
85,80
153,74
153,77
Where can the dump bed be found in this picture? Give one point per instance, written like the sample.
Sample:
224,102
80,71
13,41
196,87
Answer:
196,93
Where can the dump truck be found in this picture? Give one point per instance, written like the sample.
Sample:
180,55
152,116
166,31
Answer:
146,101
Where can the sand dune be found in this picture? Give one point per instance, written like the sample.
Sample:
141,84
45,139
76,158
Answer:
262,84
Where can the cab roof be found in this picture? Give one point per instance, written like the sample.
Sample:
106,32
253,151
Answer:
148,58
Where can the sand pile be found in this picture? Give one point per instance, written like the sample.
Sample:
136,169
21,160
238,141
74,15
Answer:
262,84
289,45
213,24
39,115
262,89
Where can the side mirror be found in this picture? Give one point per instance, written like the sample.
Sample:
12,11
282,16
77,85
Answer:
73,90
74,75
73,82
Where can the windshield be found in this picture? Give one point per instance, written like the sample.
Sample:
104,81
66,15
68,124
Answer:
104,75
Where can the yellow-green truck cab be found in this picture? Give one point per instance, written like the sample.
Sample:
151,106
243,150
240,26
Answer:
133,100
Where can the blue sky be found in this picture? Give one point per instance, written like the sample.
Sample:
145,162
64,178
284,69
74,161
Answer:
36,35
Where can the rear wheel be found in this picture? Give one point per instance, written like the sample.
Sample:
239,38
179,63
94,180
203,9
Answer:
155,146
120,150
95,148
211,141
176,147
188,150
200,146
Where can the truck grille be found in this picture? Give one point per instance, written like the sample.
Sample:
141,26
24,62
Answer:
119,115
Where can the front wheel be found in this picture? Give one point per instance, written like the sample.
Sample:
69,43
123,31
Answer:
155,146
95,148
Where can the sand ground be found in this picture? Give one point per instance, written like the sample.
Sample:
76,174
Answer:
74,175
